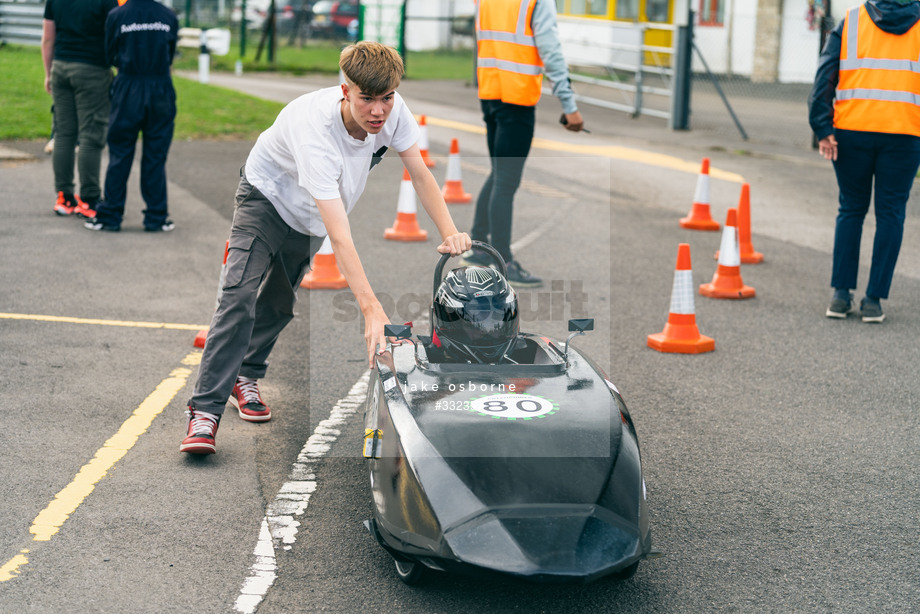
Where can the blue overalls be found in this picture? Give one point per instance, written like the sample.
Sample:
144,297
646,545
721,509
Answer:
140,40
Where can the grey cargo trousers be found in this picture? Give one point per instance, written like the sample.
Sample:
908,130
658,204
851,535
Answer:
266,262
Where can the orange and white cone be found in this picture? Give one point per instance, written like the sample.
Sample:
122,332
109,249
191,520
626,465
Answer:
680,334
453,185
727,282
423,142
745,247
699,217
406,227
324,274
202,335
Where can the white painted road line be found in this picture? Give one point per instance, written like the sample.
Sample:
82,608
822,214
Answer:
281,517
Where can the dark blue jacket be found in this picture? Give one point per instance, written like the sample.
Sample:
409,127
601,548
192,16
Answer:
889,15
140,39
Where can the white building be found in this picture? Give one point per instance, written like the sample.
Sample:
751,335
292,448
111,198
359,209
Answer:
764,40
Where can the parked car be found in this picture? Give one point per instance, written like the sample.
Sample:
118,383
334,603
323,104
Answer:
335,19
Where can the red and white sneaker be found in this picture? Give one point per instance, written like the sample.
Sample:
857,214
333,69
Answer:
65,204
248,401
83,210
202,428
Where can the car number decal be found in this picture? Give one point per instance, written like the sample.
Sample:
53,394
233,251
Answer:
514,406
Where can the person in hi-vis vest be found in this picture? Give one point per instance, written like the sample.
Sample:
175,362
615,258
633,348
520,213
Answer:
517,44
865,110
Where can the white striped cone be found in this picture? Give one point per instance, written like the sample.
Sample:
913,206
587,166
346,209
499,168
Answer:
680,334
727,282
453,186
406,227
325,274
699,217
423,142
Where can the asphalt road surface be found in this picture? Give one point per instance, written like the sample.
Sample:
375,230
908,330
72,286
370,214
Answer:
782,468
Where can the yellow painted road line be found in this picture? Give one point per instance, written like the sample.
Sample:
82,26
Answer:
11,569
52,518
614,152
67,320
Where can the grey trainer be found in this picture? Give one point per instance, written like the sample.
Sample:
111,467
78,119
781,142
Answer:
839,308
871,311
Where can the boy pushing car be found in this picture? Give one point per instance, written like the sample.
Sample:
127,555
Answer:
300,182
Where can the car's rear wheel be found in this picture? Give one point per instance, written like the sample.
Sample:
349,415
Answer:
626,573
409,572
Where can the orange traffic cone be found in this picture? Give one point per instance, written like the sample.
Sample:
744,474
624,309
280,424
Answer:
727,283
745,247
406,227
748,255
423,142
202,335
680,334
325,274
453,186
699,217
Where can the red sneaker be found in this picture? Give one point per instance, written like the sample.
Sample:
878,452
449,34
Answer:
248,401
83,210
202,428
64,205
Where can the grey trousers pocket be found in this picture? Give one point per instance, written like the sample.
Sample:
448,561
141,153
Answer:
239,254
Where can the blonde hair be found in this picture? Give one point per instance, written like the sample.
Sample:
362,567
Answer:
375,68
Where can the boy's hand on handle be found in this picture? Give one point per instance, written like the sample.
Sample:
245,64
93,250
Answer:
455,244
375,318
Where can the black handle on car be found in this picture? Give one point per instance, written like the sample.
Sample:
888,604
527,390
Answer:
439,269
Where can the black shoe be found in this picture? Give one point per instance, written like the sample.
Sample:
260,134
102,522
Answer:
871,310
166,226
95,223
521,278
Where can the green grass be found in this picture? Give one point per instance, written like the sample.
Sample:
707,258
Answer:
209,112
323,57
24,104
204,111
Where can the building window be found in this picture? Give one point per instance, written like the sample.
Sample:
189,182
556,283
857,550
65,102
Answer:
656,11
598,7
712,12
583,7
627,10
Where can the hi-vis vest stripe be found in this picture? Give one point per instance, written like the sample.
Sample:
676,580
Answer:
879,85
508,66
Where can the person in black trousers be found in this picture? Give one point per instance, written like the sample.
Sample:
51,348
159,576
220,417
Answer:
140,40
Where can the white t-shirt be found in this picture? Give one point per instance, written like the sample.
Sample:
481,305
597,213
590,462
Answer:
307,154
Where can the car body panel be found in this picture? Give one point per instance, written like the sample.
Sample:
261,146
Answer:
528,470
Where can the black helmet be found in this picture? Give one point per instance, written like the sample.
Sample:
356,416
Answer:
475,313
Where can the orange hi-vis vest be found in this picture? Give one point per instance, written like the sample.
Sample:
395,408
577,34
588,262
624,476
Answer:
879,84
508,66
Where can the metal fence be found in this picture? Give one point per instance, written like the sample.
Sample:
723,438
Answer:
21,21
767,112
